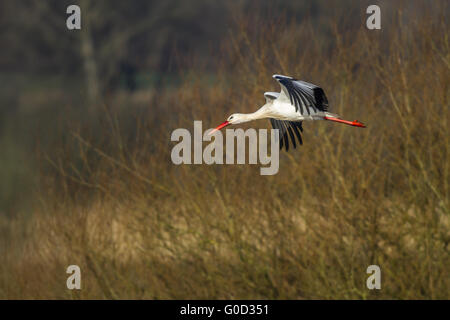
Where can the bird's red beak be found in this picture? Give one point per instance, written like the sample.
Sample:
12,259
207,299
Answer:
220,127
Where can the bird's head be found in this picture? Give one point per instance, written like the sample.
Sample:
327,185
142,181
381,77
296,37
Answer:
235,118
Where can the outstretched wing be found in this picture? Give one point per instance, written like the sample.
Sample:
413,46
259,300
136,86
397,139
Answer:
291,128
306,97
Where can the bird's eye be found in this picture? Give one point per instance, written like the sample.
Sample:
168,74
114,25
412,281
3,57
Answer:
231,118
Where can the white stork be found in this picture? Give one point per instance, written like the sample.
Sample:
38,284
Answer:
298,101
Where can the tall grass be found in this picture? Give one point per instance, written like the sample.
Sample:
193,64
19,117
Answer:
113,203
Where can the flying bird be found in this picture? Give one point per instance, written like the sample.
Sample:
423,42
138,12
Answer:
298,101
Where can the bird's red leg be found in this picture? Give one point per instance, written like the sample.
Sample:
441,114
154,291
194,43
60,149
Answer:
355,123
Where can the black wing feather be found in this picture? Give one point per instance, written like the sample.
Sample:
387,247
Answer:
285,135
297,133
292,137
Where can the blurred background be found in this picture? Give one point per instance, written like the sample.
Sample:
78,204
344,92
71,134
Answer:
86,176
